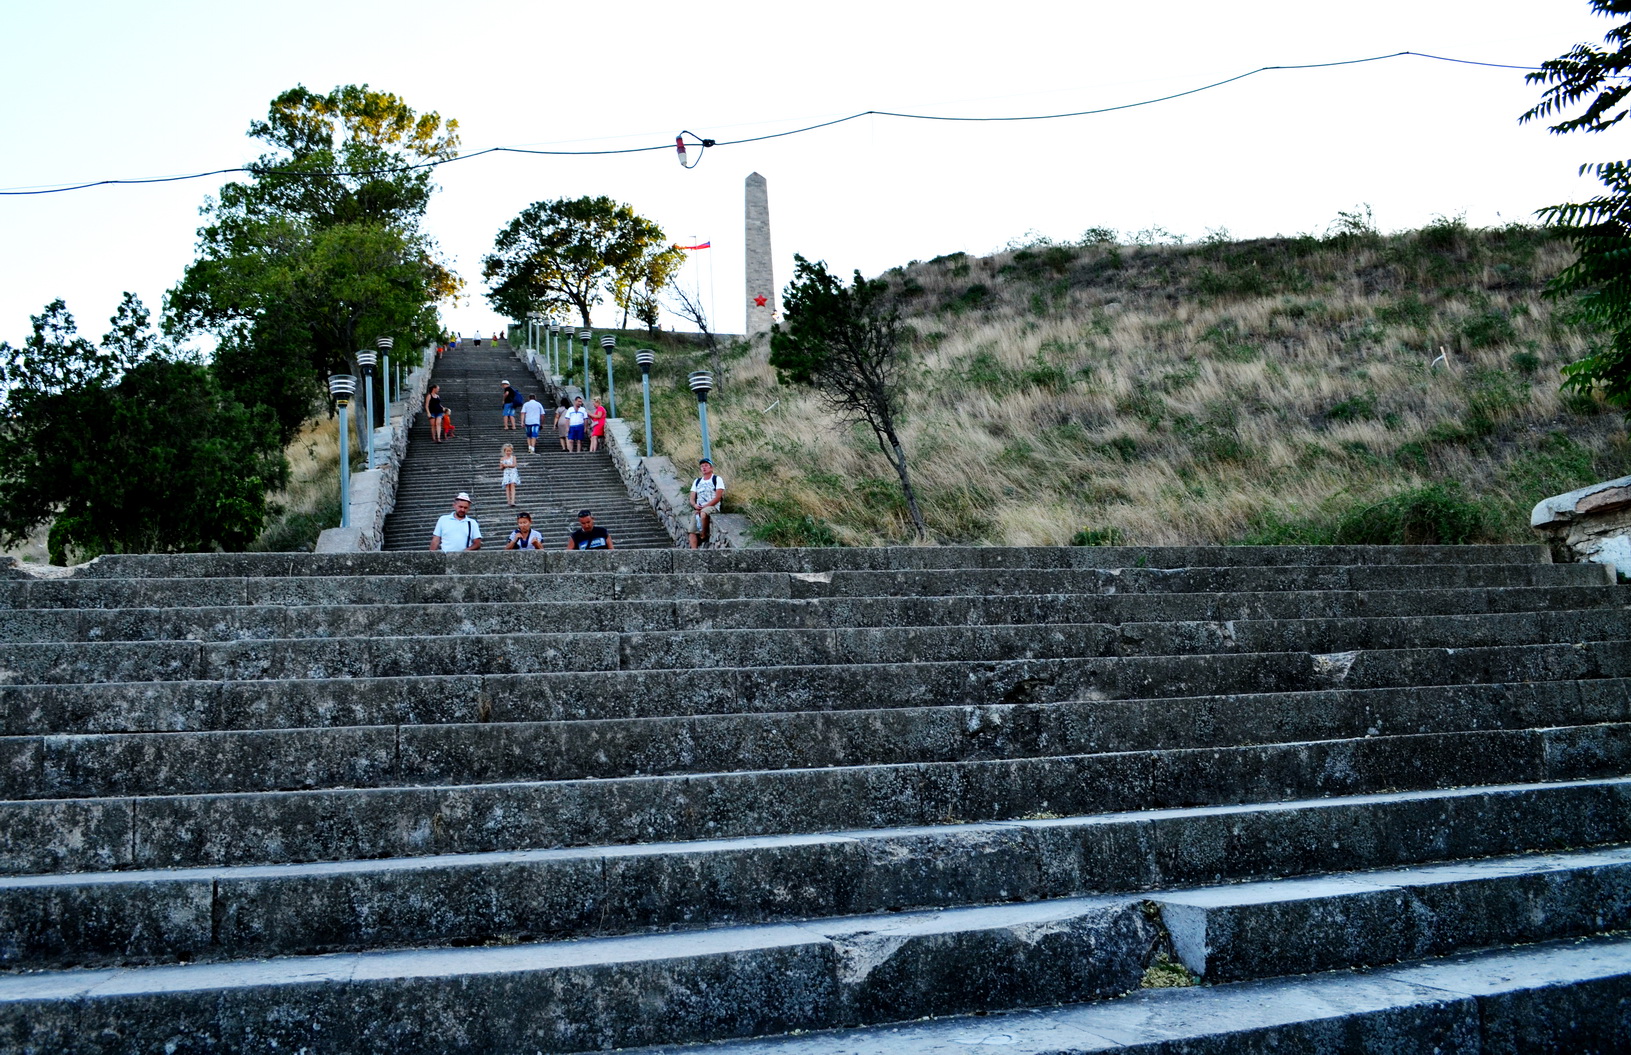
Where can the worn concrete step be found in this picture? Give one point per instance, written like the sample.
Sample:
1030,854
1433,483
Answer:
411,699
900,558
94,661
233,912
605,992
827,973
1362,919
525,582
253,622
1572,996
340,824
168,763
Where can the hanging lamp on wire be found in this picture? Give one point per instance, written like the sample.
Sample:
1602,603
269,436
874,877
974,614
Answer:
679,149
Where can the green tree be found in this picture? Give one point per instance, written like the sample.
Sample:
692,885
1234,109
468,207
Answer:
636,285
124,449
845,343
563,253
1600,278
320,251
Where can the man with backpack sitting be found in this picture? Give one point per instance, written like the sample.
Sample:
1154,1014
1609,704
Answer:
707,491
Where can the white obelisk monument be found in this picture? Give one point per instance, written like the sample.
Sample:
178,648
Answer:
761,283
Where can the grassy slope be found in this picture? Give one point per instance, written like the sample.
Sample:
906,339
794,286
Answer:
1272,390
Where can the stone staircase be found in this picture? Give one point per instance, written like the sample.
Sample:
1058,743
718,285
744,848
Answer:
554,484
933,799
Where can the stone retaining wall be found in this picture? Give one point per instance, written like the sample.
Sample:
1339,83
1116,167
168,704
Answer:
373,491
1592,524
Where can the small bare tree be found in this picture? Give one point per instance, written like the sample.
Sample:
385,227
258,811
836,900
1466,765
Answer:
845,343
688,306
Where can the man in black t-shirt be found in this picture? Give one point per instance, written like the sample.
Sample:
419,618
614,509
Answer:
588,536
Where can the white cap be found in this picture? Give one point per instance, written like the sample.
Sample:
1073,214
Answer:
461,497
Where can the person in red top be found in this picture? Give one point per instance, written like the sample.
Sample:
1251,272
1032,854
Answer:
597,425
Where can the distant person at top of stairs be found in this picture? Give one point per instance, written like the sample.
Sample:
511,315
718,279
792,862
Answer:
457,531
532,415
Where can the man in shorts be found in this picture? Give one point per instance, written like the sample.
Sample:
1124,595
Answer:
707,491
524,537
512,399
588,536
575,417
532,416
457,531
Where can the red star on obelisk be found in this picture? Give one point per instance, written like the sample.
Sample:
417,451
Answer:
760,301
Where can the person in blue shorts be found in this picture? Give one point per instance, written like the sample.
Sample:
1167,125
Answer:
512,400
575,417
532,416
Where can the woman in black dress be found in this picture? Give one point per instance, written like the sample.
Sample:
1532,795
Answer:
434,411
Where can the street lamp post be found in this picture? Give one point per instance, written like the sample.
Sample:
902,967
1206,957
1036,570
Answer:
385,345
646,359
367,360
702,383
342,387
609,343
585,336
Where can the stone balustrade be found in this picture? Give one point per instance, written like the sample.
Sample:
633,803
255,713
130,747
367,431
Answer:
1591,524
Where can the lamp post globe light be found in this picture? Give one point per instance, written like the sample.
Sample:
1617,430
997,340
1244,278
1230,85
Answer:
367,360
646,358
385,344
609,343
702,382
342,387
585,336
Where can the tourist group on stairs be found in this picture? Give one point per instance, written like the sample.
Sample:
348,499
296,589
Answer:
580,428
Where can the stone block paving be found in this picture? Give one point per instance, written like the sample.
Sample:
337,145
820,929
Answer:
800,801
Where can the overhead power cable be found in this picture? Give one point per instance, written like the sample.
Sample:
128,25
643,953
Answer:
702,143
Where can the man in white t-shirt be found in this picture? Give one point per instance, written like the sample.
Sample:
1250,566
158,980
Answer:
576,415
532,416
457,531
707,491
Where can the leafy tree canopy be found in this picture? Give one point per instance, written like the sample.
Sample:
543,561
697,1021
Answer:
123,448
560,254
320,251
1600,228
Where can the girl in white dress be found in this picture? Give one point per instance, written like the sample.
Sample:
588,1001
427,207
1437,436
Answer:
512,475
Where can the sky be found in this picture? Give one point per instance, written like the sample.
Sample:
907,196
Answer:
99,90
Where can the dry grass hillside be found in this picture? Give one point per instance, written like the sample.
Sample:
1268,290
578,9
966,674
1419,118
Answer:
1276,390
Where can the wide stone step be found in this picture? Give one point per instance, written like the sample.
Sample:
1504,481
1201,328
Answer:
234,912
1297,926
601,993
816,974
526,582
394,755
411,699
251,622
1562,996
279,827
86,662
903,558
